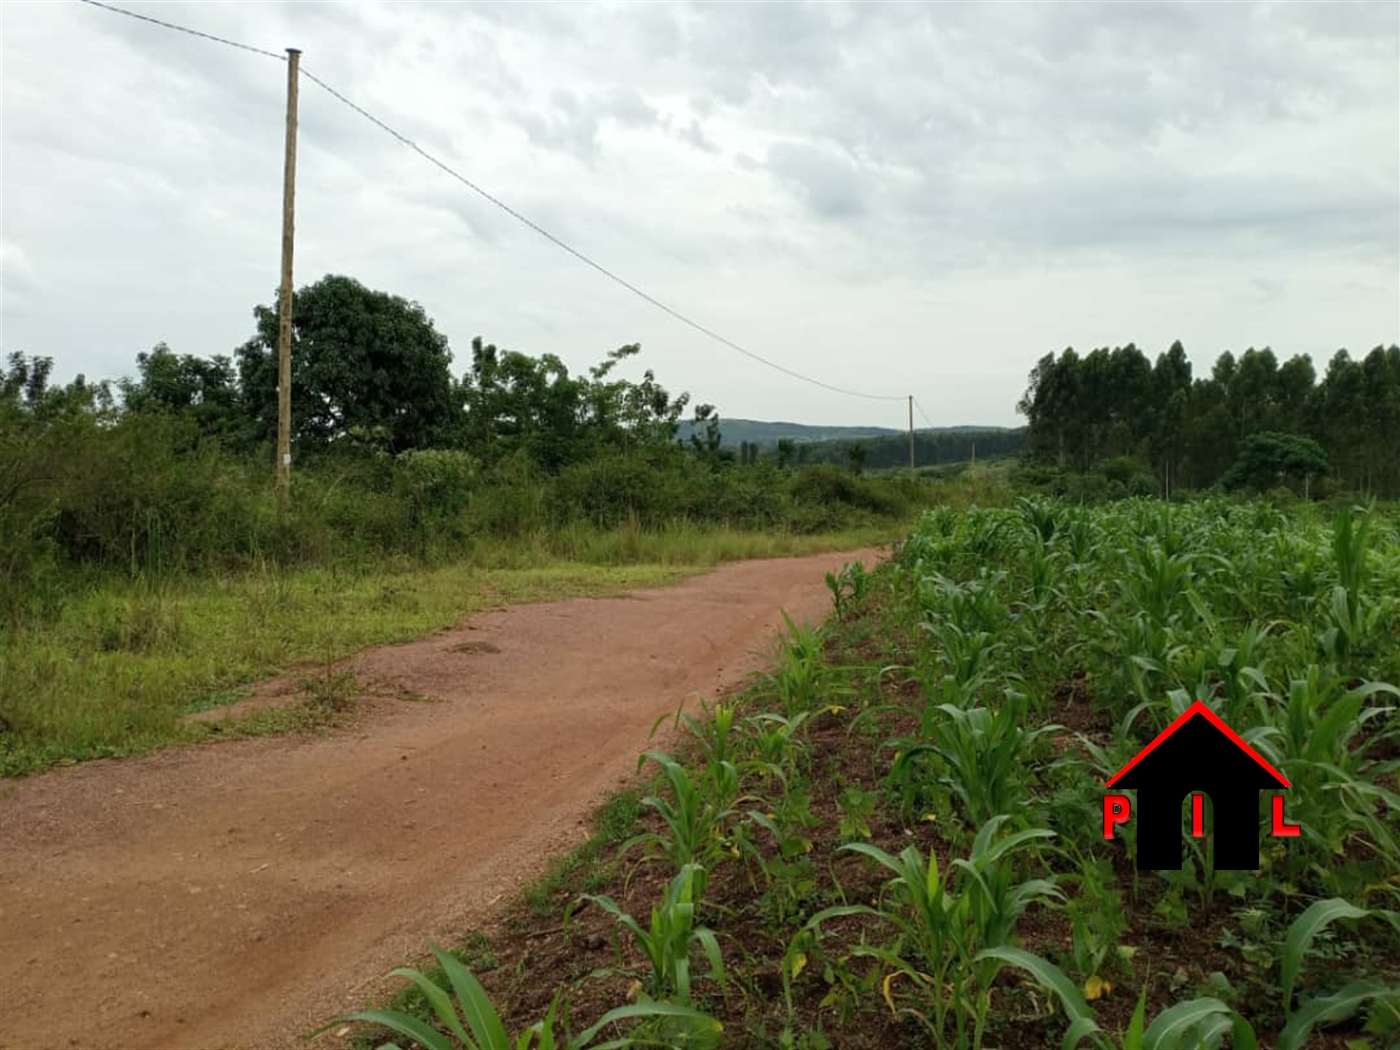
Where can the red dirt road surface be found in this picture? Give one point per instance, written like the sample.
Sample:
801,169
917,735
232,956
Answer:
240,894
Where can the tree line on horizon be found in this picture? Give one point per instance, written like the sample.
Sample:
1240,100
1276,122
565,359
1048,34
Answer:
394,453
1252,423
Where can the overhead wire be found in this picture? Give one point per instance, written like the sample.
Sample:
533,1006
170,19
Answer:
558,242
186,29
924,414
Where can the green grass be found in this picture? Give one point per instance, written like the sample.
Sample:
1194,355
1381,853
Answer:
114,672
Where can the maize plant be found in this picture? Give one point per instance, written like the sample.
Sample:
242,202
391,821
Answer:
944,922
694,823
668,941
984,756
802,679
472,1023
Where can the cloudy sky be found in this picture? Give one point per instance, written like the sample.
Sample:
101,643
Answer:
894,198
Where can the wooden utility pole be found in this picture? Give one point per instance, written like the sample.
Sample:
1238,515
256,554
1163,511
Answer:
284,326
911,435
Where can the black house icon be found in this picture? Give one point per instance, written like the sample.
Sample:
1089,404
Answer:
1198,753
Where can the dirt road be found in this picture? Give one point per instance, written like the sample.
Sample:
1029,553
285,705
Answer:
236,895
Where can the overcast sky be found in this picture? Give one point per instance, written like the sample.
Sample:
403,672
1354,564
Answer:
895,198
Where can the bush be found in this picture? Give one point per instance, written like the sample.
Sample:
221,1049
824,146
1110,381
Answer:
1129,476
830,486
611,490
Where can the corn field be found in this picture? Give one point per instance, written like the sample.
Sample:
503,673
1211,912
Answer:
895,837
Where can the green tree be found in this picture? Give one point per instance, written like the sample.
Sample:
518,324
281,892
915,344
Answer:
630,415
1211,430
363,362
787,450
203,391
1380,401
707,441
1341,410
1171,395
1270,459
855,455
1295,383
1252,394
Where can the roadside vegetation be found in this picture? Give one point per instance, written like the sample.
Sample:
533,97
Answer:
146,573
894,837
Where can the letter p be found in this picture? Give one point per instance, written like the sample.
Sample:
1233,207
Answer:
1116,810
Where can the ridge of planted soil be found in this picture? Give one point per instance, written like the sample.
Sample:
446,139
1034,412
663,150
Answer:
240,893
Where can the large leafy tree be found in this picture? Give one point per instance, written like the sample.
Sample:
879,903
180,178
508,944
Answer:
1268,459
363,362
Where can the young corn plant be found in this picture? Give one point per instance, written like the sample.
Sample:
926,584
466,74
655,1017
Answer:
1041,517
1199,1024
789,878
714,730
669,940
944,925
801,679
984,535
1300,1020
959,664
1081,535
1353,616
984,755
694,823
1155,582
848,588
975,605
467,1019
1318,741
775,747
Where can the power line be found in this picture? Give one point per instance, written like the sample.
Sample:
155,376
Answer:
629,286
185,29
924,414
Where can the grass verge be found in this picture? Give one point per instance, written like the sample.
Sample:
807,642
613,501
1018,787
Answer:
113,674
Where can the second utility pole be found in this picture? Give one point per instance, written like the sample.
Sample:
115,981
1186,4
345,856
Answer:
284,325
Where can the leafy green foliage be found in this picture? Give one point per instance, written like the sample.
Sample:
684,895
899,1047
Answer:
169,472
945,922
363,362
1268,460
934,905
668,940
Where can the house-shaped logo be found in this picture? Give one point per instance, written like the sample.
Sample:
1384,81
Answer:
1198,754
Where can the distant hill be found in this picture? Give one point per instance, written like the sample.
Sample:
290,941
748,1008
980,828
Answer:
735,432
